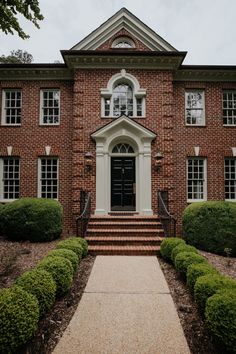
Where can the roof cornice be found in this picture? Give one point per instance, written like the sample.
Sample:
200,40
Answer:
123,58
205,73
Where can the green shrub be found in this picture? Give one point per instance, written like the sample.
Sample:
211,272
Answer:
61,270
33,219
19,315
182,248
1,218
68,254
195,271
168,244
71,244
84,244
211,226
221,318
184,259
39,283
210,284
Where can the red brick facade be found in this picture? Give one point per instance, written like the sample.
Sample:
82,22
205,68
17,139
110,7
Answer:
81,115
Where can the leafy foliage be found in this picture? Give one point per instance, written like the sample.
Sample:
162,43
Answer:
39,283
10,9
195,271
19,315
84,245
17,57
1,218
167,246
33,219
72,244
61,270
208,285
221,318
68,254
182,247
211,226
184,259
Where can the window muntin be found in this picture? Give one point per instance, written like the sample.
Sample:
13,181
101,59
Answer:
50,107
122,100
122,148
48,178
11,107
194,108
230,178
196,179
229,107
10,178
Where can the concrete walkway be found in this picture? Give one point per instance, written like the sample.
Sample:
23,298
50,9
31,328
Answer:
126,309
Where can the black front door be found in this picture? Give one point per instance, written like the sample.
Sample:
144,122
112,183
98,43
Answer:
123,183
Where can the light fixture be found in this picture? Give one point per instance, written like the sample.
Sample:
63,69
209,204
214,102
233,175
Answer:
88,161
158,158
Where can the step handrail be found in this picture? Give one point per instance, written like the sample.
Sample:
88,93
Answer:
168,220
83,219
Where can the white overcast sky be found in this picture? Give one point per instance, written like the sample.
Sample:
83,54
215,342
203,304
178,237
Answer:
204,28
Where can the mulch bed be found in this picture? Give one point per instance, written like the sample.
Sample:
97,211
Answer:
192,321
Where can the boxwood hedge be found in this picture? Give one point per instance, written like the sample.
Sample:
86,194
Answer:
195,271
184,259
211,226
221,318
182,247
72,244
39,283
19,315
33,219
68,254
167,246
61,270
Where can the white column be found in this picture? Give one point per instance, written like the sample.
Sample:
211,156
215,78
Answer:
100,180
145,180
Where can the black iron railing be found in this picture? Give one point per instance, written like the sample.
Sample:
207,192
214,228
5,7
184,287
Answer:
85,213
167,220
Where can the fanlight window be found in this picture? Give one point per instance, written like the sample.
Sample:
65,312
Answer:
123,42
122,148
122,100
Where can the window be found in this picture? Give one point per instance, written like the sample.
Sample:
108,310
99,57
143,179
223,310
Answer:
10,178
196,179
194,108
48,178
122,100
123,42
50,107
229,107
11,107
122,148
230,179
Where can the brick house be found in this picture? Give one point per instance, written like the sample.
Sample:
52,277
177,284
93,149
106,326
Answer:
122,118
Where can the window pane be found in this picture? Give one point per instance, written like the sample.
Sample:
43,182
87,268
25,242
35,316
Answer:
195,179
194,108
50,107
11,178
49,178
12,107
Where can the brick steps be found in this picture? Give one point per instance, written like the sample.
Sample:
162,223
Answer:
124,250
124,234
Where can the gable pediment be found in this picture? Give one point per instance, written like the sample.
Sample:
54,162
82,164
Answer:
126,21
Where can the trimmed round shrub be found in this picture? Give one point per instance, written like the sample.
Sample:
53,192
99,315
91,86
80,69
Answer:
210,284
73,245
167,246
211,226
68,254
33,219
182,247
19,316
61,270
84,244
195,271
221,318
39,283
1,218
184,259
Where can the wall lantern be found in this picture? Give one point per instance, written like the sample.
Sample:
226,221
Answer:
158,158
88,161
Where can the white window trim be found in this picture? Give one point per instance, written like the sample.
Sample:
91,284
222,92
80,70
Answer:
228,200
41,107
227,125
3,115
2,200
123,39
205,180
123,77
39,194
203,124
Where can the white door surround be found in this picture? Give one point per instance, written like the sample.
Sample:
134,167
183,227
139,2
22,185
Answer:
123,130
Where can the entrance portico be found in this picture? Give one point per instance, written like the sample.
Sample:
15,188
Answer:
123,130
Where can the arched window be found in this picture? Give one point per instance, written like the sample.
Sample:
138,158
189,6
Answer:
122,148
123,96
123,42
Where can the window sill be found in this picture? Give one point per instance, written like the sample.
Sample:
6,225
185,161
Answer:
10,125
196,200
195,125
49,124
7,200
229,125
230,200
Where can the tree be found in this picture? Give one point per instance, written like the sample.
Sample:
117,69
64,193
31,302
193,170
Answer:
9,9
17,56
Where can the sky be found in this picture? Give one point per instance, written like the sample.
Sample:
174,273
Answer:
206,29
